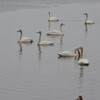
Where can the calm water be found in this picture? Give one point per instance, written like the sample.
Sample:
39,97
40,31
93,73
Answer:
29,72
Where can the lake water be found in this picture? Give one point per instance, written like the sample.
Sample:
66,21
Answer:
31,72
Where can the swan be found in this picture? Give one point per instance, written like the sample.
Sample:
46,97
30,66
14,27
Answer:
68,54
82,61
79,98
24,39
52,18
88,21
43,42
55,32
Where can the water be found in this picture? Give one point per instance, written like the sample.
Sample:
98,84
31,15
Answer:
30,72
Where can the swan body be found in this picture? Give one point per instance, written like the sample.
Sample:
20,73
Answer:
45,43
88,21
67,54
82,61
24,39
52,18
56,32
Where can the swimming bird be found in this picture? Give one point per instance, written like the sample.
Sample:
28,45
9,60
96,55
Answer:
24,39
88,21
79,98
68,54
56,32
82,61
52,18
45,43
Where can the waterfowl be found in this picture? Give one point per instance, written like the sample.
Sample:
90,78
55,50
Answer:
67,54
82,61
55,32
79,98
52,18
24,39
88,21
43,42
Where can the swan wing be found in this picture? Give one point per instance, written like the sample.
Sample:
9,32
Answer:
54,32
46,43
53,19
26,39
89,22
67,54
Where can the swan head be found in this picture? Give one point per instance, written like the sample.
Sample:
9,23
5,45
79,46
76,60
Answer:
62,24
39,32
86,14
79,98
19,31
81,48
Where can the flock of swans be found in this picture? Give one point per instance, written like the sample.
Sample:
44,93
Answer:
78,52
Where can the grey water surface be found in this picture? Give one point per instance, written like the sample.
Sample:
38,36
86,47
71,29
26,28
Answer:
31,72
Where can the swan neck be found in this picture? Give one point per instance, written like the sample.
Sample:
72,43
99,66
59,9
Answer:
61,29
49,16
20,37
86,18
39,39
81,53
49,26
78,55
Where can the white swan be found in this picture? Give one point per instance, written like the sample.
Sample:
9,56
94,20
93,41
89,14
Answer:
24,39
52,18
79,98
88,21
43,42
82,61
55,32
67,54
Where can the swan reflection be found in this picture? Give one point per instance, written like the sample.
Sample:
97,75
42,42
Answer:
20,49
39,49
